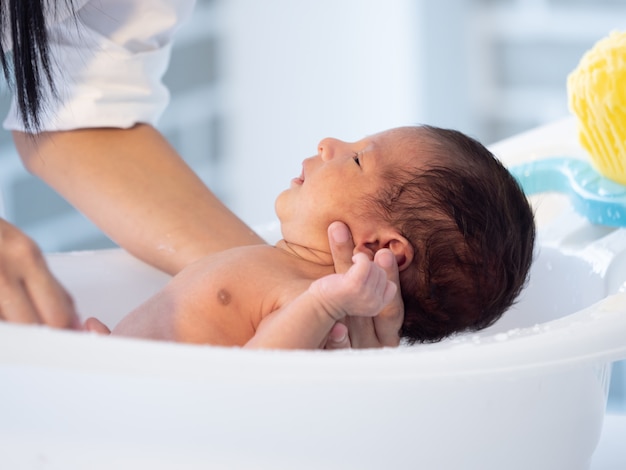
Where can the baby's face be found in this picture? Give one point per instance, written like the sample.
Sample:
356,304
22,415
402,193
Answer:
341,181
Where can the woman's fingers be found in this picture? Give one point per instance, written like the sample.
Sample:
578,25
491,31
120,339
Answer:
383,329
338,337
93,325
53,304
341,246
389,321
29,293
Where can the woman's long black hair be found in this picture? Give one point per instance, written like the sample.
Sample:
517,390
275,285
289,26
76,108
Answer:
25,55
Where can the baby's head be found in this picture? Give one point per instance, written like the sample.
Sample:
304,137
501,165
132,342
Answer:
459,225
472,232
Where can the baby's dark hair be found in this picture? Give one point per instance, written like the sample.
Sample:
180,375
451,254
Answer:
472,231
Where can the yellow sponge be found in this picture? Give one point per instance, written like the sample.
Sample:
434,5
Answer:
596,92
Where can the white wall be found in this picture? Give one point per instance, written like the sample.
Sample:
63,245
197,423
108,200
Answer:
296,72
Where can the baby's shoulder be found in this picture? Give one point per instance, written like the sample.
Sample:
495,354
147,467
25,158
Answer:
269,264
260,266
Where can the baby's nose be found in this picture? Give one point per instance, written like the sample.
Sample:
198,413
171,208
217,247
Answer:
327,148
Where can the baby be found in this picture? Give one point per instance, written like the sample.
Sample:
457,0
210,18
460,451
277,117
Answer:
433,201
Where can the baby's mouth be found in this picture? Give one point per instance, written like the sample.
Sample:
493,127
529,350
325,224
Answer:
299,179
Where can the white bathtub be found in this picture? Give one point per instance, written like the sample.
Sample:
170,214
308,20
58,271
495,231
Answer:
529,393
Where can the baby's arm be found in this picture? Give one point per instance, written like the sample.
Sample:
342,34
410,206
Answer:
304,323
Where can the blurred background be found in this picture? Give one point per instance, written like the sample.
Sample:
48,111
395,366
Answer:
256,85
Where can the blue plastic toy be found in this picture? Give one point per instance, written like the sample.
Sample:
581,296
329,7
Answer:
595,197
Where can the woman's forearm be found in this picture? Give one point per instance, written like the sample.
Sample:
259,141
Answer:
135,187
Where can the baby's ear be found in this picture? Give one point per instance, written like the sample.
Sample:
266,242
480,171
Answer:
399,246
402,250
369,248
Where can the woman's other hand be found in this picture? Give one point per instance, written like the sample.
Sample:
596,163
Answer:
29,293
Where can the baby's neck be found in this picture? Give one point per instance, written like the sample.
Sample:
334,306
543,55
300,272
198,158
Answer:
305,253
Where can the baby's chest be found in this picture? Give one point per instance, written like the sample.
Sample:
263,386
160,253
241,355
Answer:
246,293
254,293
230,295
223,308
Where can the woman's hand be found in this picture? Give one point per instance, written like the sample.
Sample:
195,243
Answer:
29,293
360,332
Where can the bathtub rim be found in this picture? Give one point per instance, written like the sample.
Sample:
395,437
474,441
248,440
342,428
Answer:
590,337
